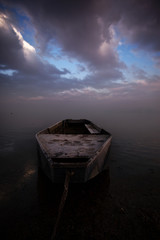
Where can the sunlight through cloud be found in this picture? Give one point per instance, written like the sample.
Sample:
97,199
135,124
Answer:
27,48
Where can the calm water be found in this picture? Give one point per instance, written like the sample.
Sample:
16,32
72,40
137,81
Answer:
112,206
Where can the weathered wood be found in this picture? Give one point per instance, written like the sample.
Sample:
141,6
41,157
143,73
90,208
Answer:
71,145
92,129
77,145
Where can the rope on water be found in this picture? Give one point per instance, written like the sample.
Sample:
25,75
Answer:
62,203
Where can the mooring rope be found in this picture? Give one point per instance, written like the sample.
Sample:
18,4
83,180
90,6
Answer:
62,203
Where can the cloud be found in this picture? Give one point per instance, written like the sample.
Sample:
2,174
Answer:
139,23
156,60
10,46
100,79
28,49
80,28
20,66
88,31
37,98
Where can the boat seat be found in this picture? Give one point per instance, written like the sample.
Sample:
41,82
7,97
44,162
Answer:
91,129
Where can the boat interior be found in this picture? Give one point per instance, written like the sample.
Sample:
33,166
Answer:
72,140
75,127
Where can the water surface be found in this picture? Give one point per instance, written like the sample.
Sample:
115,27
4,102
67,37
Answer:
120,204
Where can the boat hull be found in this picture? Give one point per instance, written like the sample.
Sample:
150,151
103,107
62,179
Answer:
81,171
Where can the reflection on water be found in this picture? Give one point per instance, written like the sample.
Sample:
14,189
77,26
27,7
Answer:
83,201
95,210
8,188
28,173
8,146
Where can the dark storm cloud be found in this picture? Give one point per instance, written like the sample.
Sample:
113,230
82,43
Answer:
140,21
18,55
81,26
84,30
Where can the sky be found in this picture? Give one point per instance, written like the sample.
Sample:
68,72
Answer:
105,53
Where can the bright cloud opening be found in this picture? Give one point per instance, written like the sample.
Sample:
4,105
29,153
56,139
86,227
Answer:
27,48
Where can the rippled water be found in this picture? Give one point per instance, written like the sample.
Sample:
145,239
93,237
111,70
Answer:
135,154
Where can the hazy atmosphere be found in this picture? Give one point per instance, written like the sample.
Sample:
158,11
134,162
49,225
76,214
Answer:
92,59
78,57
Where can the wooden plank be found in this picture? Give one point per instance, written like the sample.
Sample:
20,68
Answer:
91,129
71,145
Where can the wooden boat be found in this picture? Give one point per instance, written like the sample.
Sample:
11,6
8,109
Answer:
77,146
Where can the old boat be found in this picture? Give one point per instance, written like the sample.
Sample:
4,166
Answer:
77,146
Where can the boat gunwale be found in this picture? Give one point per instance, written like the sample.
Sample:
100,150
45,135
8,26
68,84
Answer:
73,164
80,120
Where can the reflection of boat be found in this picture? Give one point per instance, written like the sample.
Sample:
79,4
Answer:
75,146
